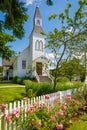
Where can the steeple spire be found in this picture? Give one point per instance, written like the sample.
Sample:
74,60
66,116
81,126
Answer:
37,13
37,27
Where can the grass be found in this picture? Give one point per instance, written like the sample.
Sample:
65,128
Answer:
80,124
8,84
10,94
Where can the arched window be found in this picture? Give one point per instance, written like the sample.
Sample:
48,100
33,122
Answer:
41,45
37,45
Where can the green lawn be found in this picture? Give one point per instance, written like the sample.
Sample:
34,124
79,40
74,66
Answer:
8,84
79,123
11,94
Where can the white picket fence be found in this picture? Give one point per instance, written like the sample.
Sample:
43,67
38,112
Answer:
24,105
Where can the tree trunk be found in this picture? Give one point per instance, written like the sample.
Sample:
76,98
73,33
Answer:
56,71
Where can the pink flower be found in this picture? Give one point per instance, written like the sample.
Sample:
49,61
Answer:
31,109
39,123
8,118
33,122
25,99
16,113
39,106
2,106
36,104
68,97
53,118
5,113
61,112
85,108
60,126
47,96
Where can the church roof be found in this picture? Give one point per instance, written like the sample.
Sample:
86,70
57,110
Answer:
37,12
9,62
37,29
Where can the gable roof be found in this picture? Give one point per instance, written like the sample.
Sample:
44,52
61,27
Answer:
9,62
37,29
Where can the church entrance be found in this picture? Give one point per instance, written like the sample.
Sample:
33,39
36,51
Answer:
39,68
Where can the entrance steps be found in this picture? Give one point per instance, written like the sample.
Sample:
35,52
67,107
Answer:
45,79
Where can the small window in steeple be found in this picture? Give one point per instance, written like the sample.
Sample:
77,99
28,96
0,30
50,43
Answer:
38,22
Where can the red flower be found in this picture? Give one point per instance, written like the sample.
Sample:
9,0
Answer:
47,96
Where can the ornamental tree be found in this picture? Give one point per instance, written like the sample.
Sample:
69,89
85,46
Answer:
70,37
14,15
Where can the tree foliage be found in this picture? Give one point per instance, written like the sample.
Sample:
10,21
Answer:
72,69
14,16
49,2
71,36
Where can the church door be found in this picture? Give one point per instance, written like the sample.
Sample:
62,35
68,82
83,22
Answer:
39,68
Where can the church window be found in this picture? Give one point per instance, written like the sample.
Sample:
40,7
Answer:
23,64
38,22
41,45
37,45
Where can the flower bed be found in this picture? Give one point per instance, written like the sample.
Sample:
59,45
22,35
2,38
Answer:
47,115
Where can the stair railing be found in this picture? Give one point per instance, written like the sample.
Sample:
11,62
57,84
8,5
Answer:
37,77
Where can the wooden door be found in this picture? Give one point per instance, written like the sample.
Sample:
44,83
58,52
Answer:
39,68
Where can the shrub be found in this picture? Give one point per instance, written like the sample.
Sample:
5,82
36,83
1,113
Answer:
15,79
29,85
62,79
1,77
38,88
44,88
18,80
68,85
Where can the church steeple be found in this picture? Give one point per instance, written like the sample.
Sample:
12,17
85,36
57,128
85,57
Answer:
37,13
37,27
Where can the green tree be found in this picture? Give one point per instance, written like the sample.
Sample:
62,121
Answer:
71,36
72,68
14,15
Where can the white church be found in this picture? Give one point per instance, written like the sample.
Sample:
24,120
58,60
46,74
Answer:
32,61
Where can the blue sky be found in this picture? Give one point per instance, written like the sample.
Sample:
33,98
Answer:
48,26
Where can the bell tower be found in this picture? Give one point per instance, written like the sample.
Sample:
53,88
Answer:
37,39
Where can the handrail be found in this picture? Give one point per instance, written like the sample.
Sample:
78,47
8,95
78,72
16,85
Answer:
37,77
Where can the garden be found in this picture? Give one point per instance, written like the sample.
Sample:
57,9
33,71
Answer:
64,112
35,107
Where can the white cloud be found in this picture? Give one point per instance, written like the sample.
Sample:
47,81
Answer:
50,55
28,2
